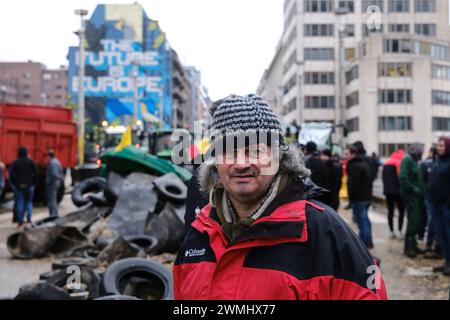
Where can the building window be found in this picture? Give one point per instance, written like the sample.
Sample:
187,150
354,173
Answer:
441,124
352,125
395,96
349,30
352,74
425,5
395,69
47,76
433,50
350,54
386,149
318,30
367,3
395,123
441,97
366,31
290,61
441,72
319,54
291,106
398,5
349,5
352,99
397,46
319,102
399,27
426,29
319,77
26,96
290,84
440,52
318,5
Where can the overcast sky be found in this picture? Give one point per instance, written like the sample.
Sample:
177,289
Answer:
230,41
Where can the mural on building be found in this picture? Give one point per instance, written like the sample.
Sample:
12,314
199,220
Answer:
123,48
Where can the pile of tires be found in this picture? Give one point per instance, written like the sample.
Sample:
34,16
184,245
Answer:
125,279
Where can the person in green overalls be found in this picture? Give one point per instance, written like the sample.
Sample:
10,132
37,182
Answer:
413,192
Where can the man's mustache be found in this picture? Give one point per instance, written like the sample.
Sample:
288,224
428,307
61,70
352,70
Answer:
244,173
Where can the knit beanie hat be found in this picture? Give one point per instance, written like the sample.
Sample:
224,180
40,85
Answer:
246,115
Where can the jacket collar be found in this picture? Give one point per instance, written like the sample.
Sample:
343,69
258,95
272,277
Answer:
284,220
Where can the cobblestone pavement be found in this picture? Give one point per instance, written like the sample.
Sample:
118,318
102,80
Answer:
405,278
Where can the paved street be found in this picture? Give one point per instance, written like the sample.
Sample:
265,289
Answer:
14,273
405,278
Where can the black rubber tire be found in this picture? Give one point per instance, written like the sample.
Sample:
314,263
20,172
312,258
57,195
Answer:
116,275
88,277
171,188
63,264
43,291
47,275
95,184
118,297
147,243
99,200
88,251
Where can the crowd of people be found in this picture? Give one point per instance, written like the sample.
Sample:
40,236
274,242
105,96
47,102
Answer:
419,190
422,189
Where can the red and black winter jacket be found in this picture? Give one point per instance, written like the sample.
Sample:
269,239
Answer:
298,249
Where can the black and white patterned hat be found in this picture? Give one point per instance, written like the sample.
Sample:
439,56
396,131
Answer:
238,115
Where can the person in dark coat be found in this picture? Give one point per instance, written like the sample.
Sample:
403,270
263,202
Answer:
23,177
261,237
439,185
334,172
391,190
319,172
359,185
426,167
196,199
373,163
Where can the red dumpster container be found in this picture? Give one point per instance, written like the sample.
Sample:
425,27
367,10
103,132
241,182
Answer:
38,128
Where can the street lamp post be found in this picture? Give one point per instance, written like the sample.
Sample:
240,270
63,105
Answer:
135,73
81,66
340,116
300,99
